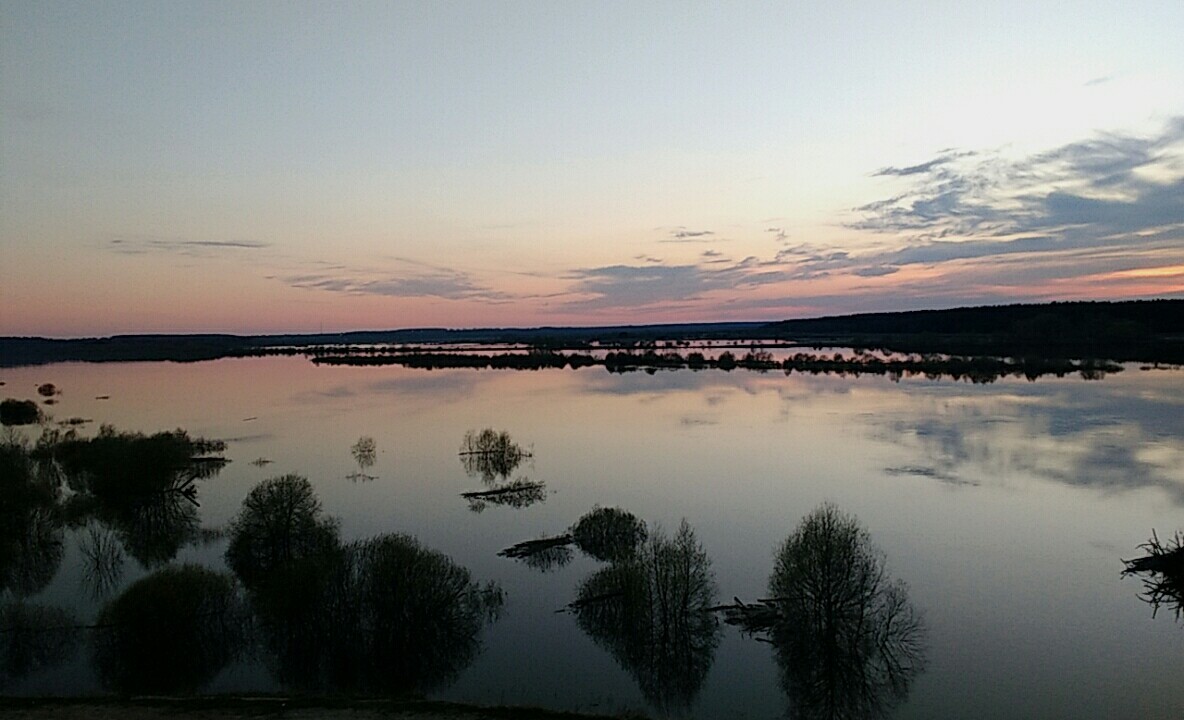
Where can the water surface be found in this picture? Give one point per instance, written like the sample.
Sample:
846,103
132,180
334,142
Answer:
1005,509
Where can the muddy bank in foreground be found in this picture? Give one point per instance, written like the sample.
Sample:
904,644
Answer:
224,708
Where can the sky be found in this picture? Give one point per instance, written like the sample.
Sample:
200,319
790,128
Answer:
311,166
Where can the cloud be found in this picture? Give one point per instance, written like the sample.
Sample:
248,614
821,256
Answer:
132,245
876,270
1113,194
683,235
944,158
420,280
1098,218
1102,186
633,286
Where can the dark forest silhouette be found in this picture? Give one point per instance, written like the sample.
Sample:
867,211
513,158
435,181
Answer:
1133,330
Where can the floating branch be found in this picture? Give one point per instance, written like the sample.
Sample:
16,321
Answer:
520,486
530,547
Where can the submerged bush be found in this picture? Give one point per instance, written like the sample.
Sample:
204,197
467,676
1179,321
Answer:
384,615
419,615
115,465
34,637
170,632
609,534
19,412
491,454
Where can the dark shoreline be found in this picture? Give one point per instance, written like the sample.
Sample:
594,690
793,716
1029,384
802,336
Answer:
217,707
1146,331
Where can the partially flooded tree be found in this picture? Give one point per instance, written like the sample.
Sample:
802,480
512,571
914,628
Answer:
383,616
365,452
490,454
143,487
116,466
609,534
652,611
19,412
170,632
419,616
280,523
848,641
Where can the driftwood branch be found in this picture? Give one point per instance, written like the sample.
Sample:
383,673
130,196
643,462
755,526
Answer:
530,547
515,487
761,616
595,599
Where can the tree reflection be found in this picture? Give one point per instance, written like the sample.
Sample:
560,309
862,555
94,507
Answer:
143,487
519,493
31,534
102,561
170,632
490,454
847,639
153,528
652,611
34,637
384,615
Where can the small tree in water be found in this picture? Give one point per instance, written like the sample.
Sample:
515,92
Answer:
490,454
848,640
280,522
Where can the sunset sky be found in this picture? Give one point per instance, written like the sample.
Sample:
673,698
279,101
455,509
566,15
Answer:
294,166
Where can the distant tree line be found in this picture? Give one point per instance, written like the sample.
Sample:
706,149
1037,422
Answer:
982,369
1137,330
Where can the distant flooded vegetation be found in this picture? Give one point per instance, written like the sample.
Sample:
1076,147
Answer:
979,369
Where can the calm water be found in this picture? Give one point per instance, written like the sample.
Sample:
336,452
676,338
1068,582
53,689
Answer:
1006,510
